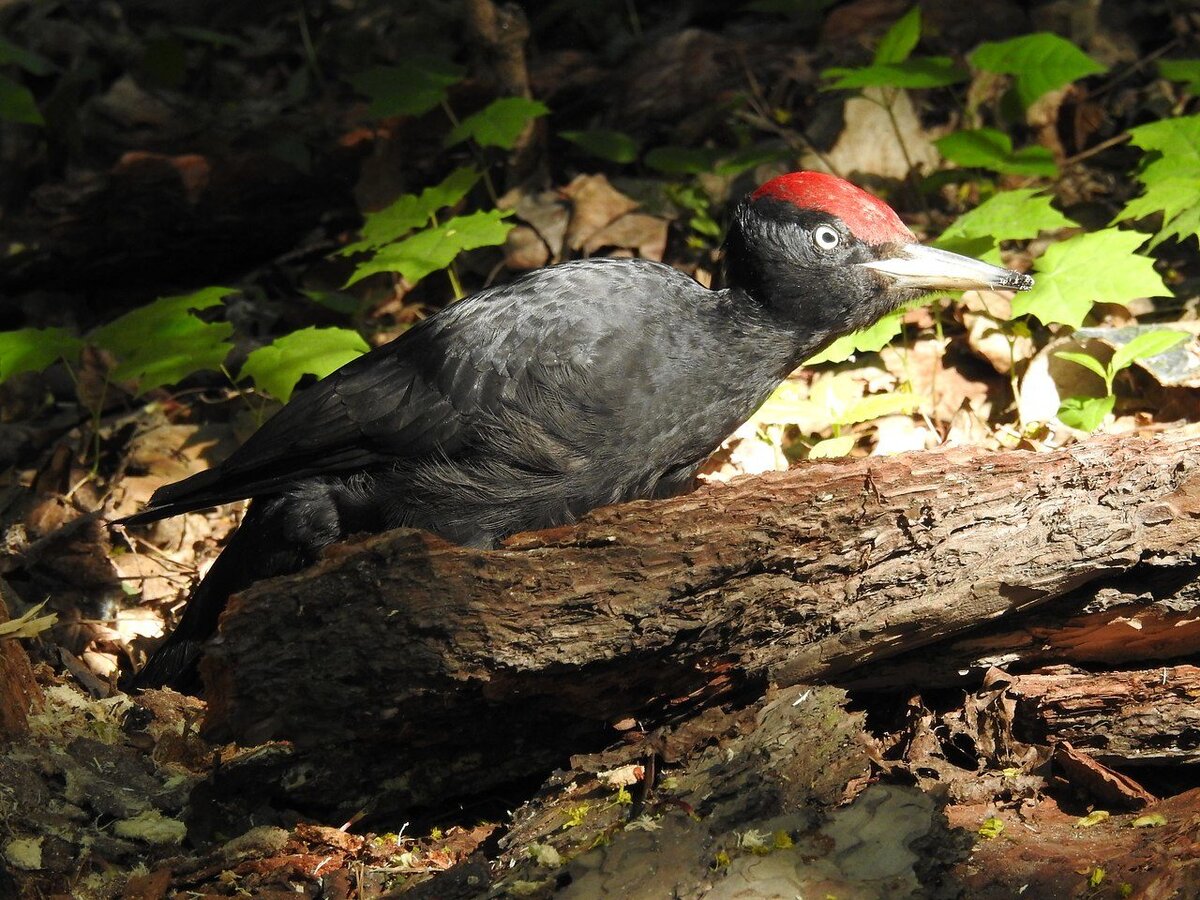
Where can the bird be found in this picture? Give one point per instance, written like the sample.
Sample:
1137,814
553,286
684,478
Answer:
575,386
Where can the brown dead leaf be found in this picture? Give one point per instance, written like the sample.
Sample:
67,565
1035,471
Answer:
596,204
1106,786
636,231
870,139
549,215
524,249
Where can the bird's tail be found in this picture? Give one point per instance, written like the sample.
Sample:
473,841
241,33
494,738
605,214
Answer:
259,549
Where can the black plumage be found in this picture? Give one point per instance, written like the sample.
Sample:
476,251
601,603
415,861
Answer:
526,405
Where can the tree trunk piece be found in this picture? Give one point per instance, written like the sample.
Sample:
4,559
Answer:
1119,718
407,671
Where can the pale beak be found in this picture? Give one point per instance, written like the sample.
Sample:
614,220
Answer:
928,269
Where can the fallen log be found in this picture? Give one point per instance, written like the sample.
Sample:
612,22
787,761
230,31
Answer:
1145,717
406,671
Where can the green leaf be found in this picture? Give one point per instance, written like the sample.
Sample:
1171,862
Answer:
33,63
1150,820
615,146
875,406
833,448
1085,413
499,124
1101,267
870,339
1039,63
412,211
17,103
435,248
1171,178
681,160
987,148
901,39
409,89
1016,215
1146,345
1185,70
279,366
1086,360
164,341
33,349
920,72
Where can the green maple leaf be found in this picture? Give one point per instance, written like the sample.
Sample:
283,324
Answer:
921,72
409,89
868,340
33,349
1016,215
279,366
1101,267
1171,177
1039,63
412,211
435,248
498,124
987,148
165,341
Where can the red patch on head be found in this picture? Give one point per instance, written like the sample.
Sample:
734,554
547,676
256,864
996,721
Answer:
868,218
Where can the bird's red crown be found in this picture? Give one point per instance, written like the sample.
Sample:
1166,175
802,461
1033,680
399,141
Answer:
868,218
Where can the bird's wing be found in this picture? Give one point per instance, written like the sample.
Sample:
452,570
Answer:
439,389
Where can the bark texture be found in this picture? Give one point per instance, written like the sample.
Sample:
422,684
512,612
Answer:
434,668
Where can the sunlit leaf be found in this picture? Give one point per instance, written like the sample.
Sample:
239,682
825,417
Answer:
435,248
279,366
919,72
1171,176
1086,360
987,148
876,406
164,341
992,827
29,624
1008,216
1146,345
1092,819
876,337
1073,275
1150,820
833,448
1039,63
901,39
412,211
499,124
33,349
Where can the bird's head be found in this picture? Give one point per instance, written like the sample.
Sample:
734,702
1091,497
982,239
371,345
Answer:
833,258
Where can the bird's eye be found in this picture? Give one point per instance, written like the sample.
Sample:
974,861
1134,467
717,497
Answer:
825,238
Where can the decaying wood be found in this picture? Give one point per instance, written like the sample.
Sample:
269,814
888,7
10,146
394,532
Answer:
1147,614
19,691
1144,717
393,657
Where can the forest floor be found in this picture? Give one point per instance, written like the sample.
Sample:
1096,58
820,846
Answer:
192,151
